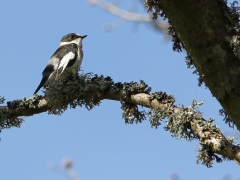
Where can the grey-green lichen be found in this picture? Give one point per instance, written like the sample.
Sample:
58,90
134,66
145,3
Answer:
2,100
206,156
215,143
233,18
5,121
158,114
71,90
134,88
132,114
233,140
226,118
154,6
234,9
162,97
178,123
25,103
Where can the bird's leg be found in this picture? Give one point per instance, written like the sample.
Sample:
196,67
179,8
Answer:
57,74
56,77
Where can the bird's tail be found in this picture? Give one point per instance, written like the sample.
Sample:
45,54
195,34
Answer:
44,79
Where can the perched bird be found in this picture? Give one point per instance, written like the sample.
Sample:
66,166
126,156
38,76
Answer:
68,54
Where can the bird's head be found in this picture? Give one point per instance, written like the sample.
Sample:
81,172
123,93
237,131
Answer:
72,38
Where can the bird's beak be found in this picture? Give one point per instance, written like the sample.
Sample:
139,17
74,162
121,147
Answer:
83,36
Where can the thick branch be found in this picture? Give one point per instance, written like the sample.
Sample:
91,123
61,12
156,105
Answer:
210,32
88,90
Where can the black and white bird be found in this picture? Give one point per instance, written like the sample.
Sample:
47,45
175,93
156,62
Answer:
68,54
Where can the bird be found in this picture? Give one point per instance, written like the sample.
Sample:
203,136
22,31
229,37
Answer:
69,54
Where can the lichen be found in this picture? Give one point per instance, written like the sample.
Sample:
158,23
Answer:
2,99
235,10
7,122
72,91
25,103
135,88
131,113
206,156
154,6
178,123
226,118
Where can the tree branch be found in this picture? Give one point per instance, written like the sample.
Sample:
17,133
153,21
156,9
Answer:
88,90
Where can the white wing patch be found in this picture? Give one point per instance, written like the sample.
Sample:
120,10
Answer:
65,60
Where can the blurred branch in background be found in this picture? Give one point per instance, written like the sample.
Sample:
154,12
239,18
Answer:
130,16
69,172
174,176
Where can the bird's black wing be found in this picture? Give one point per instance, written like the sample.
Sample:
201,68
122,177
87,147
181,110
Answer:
45,75
67,55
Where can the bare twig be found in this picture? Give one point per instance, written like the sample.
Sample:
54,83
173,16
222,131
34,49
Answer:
127,16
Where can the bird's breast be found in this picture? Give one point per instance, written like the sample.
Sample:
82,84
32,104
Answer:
79,57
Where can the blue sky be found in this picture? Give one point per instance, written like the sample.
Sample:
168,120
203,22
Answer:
98,142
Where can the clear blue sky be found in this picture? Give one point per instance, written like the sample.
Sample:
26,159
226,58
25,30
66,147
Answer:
100,144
